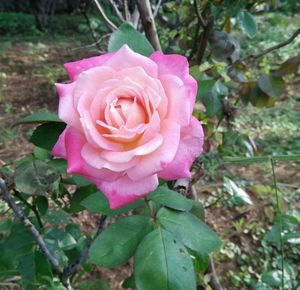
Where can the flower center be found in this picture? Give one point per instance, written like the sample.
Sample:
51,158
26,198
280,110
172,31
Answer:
126,112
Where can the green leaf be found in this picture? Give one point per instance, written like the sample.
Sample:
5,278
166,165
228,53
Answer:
64,240
129,283
79,195
272,278
117,243
259,286
57,217
213,104
42,204
5,225
46,135
19,242
170,198
204,86
60,165
26,268
223,46
260,99
290,66
248,23
198,210
127,34
41,153
80,180
98,203
41,117
43,268
239,196
161,262
271,85
35,177
191,231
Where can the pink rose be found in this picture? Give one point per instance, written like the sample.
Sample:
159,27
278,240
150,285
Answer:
129,122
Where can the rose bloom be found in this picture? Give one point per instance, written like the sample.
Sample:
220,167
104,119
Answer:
129,122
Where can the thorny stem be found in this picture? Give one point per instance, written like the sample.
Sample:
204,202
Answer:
32,207
70,270
149,207
280,221
20,215
63,274
144,7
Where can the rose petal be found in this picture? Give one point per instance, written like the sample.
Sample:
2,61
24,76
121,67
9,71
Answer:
126,156
66,109
124,190
74,142
77,67
179,108
94,137
157,160
190,147
97,159
125,58
59,149
88,84
177,65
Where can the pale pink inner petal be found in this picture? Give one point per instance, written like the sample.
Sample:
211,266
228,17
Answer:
125,58
95,158
179,99
163,155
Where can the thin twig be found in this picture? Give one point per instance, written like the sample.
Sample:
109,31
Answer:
148,22
92,31
135,17
93,44
199,15
277,46
204,37
214,281
127,14
155,12
116,9
73,268
108,22
32,207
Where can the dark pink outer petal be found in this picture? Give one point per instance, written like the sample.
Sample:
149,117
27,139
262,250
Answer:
124,190
76,67
74,141
59,149
177,65
190,147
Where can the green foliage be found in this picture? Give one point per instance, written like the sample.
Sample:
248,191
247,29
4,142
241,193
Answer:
248,23
169,198
126,34
161,262
38,118
116,244
35,177
46,135
191,231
